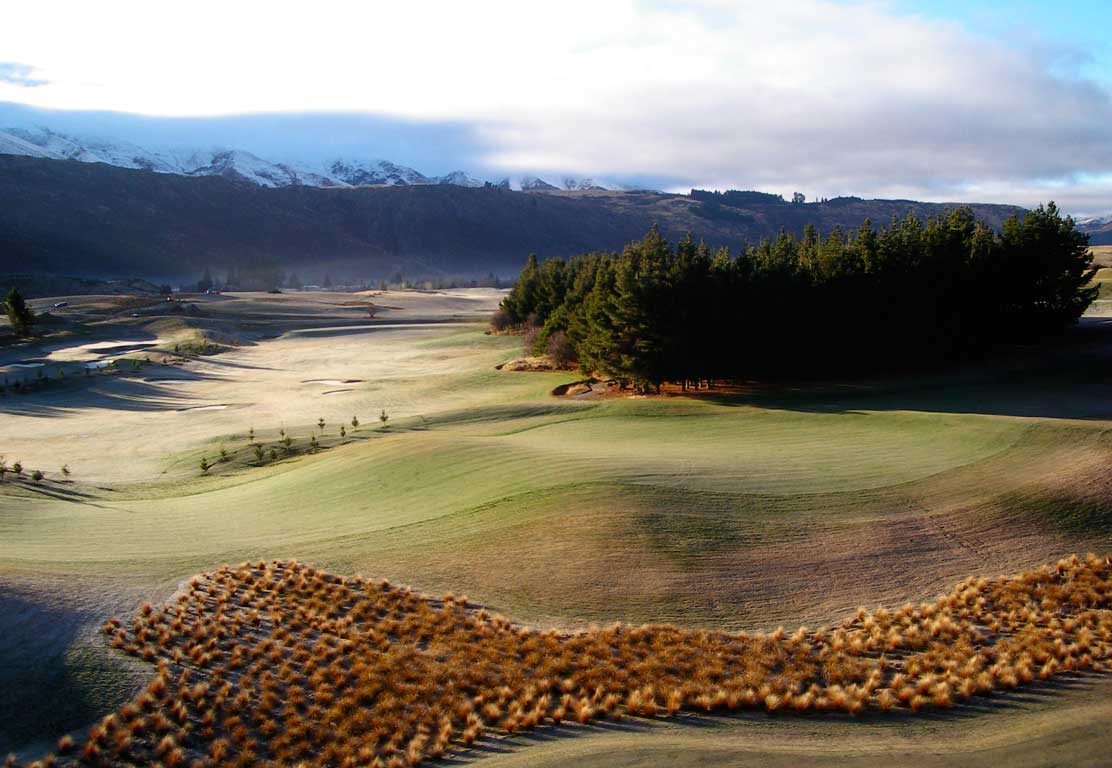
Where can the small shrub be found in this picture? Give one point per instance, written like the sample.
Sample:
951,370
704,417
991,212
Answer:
561,349
205,466
529,340
501,320
37,475
384,417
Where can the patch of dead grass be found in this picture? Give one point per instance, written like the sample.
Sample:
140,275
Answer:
282,662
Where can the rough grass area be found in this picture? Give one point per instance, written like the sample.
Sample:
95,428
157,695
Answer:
279,663
1102,255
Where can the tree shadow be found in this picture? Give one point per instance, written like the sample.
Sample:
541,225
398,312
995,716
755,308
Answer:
121,392
215,361
137,339
1037,693
495,743
1068,380
55,677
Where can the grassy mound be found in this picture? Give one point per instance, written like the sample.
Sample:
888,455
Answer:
279,662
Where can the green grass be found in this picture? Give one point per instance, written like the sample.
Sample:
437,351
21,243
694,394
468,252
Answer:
740,513
1104,280
402,477
664,461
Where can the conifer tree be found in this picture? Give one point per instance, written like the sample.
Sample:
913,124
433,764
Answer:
19,314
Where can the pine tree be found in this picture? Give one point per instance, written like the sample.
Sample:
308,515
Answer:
594,331
19,314
641,313
521,302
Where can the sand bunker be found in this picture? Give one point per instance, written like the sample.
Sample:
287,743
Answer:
26,365
336,391
203,408
332,382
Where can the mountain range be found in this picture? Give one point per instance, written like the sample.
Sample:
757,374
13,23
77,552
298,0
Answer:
93,219
240,165
1099,229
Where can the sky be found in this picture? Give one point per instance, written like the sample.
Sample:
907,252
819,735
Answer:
945,100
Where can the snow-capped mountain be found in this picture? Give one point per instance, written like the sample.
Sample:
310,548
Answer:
1095,222
460,179
59,146
588,184
242,166
362,173
234,164
1098,228
10,144
530,183
238,165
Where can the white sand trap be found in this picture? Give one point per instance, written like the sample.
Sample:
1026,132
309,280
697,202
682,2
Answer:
26,365
196,408
333,382
98,364
337,391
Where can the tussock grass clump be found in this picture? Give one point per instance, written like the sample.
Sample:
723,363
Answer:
279,662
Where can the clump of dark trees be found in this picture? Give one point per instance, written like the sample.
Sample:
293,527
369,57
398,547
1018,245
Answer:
867,300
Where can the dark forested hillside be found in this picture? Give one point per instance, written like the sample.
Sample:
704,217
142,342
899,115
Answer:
91,219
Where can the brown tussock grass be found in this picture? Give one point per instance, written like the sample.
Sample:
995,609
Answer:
284,663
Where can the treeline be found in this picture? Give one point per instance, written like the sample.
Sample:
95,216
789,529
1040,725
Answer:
867,299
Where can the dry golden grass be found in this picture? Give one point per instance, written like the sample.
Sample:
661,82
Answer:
281,663
1102,255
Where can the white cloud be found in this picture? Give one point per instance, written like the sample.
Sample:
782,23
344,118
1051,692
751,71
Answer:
827,97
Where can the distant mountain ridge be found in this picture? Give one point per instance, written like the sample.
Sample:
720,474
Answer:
240,165
1099,229
96,220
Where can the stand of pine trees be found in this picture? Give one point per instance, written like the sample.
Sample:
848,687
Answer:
863,300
